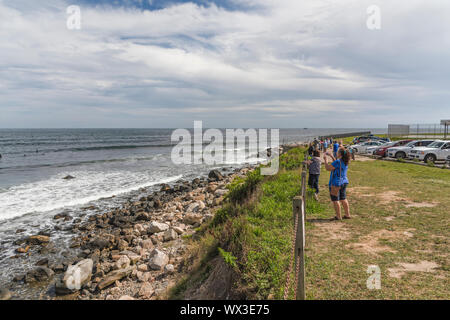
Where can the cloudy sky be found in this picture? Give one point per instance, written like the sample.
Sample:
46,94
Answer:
236,63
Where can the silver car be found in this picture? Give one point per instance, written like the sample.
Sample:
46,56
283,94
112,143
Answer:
402,152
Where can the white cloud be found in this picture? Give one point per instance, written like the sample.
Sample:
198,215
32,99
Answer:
315,61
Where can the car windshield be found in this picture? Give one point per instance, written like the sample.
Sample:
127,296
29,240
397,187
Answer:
436,144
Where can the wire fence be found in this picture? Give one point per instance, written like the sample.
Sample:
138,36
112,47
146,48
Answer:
418,130
298,242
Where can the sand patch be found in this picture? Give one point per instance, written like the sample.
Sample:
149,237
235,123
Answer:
361,191
387,197
420,205
422,266
361,158
370,244
333,231
390,218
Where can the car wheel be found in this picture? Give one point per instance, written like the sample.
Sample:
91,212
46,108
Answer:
429,157
400,155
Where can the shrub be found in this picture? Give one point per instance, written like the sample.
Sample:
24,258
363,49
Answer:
228,258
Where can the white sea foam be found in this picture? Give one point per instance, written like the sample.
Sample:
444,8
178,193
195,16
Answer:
55,192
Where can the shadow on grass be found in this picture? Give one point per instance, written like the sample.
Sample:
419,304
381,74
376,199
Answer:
320,220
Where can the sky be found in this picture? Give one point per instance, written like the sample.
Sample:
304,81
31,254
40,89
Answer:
237,63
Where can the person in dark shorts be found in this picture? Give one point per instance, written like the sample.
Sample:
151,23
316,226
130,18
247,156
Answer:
338,178
314,172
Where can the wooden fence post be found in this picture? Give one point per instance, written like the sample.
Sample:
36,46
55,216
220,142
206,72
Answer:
299,209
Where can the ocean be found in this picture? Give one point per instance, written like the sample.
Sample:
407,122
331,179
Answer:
108,165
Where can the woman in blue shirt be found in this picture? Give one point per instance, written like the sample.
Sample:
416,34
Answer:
335,148
338,178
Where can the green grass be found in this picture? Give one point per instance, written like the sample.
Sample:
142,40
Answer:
253,234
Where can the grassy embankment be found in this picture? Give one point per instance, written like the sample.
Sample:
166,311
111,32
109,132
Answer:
400,224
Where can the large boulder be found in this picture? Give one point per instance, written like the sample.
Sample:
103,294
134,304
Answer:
156,227
215,175
99,243
158,259
170,234
75,277
192,218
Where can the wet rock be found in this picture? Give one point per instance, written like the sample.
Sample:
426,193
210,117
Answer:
23,250
19,278
75,277
38,239
42,262
99,243
20,230
158,259
165,188
60,215
113,276
5,294
156,227
68,177
215,175
142,216
39,274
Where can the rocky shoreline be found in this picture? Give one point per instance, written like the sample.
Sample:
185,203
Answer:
131,252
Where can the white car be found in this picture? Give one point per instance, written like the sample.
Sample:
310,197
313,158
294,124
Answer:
436,151
361,148
370,150
402,152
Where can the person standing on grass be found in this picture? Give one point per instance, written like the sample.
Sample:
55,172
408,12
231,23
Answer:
310,149
325,145
314,172
339,181
335,148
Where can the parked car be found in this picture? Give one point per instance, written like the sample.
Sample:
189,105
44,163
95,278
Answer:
359,140
382,150
370,150
361,148
402,152
436,151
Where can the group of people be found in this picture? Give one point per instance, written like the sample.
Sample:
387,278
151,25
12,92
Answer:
338,168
